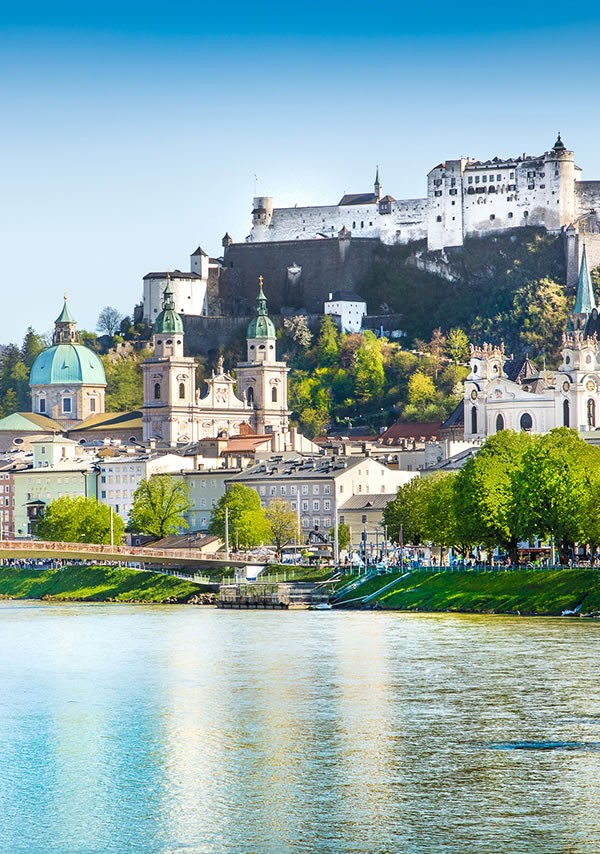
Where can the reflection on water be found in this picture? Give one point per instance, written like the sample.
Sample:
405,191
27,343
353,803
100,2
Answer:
188,730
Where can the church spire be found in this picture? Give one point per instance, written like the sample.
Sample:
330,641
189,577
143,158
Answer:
377,185
65,328
585,301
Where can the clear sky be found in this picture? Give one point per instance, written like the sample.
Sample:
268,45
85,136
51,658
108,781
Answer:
133,132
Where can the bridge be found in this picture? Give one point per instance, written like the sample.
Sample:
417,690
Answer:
45,550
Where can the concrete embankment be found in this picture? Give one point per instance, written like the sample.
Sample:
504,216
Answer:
532,592
99,584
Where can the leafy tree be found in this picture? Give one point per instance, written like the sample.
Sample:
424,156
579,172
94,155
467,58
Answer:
369,376
124,389
283,522
297,329
457,345
328,348
109,320
313,421
75,519
343,536
552,490
32,346
158,506
484,491
409,512
248,524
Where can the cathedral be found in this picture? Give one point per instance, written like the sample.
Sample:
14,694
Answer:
502,394
174,411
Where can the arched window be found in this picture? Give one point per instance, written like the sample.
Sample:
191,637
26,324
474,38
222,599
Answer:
156,391
591,412
181,391
499,423
274,394
250,395
473,419
566,418
526,421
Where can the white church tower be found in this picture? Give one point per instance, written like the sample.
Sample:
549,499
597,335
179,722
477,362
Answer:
262,380
169,381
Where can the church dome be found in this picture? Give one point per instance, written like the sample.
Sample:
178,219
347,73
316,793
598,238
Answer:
261,326
67,364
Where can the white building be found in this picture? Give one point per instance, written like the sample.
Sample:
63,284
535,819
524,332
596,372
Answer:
465,197
190,290
347,309
119,477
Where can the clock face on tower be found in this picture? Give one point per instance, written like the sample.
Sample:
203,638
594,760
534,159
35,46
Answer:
566,386
591,385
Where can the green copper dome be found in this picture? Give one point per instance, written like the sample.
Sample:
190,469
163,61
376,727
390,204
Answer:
168,322
67,364
261,326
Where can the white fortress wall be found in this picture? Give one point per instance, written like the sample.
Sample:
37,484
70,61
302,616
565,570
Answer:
587,197
405,222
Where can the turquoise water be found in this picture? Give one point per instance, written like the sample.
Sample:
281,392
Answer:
157,729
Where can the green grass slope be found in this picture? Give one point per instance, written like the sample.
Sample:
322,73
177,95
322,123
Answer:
95,584
533,592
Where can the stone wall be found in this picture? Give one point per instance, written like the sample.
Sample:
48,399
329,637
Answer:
325,266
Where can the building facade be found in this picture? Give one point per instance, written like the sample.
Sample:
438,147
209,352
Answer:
465,197
175,413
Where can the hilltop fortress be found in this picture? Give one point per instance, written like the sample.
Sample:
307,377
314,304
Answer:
465,198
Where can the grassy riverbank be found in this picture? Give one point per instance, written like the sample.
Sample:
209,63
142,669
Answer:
535,592
95,584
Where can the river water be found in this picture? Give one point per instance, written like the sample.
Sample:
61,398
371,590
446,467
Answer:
181,729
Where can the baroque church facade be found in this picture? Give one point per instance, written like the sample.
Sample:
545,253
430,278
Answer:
502,394
175,412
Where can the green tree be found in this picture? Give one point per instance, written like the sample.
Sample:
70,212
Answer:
159,504
369,375
75,519
124,381
328,347
406,516
283,522
552,490
32,346
248,524
457,345
485,500
343,536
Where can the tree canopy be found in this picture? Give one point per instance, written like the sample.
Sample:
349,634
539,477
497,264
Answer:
159,505
76,519
283,522
248,524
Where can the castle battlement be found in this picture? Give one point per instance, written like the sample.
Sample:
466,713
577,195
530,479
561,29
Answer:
465,197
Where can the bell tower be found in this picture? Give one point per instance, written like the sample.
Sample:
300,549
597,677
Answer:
262,380
169,380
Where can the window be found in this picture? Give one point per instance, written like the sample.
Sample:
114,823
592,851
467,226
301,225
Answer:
363,519
181,391
42,404
510,214
304,489
250,395
92,404
272,490
470,179
438,219
526,422
591,412
566,413
292,490
284,490
492,216
327,522
327,489
327,505
305,506
156,391
66,404
499,423
473,419
305,521
341,488
262,490
274,394
477,179
316,507
315,490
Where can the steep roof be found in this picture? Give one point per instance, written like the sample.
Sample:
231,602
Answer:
65,316
358,199
110,420
585,300
422,431
174,274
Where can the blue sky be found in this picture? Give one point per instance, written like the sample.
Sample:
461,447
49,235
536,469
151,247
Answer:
133,132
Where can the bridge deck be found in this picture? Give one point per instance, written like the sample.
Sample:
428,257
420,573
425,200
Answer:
17,549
